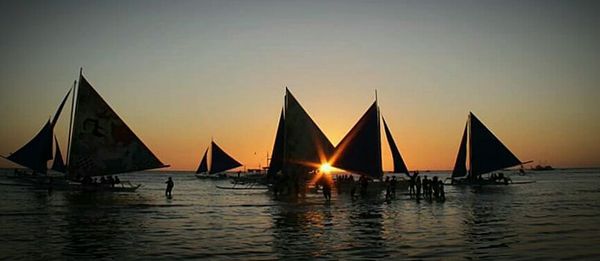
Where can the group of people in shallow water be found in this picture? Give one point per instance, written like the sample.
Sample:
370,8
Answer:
418,188
109,181
427,188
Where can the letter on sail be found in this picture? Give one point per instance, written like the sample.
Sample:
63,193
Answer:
102,144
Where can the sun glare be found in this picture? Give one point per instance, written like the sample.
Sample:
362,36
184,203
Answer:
326,168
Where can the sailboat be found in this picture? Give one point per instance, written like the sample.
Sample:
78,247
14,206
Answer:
299,149
100,143
359,152
483,153
35,154
220,162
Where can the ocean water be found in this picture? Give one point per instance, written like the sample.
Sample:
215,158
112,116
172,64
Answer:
555,218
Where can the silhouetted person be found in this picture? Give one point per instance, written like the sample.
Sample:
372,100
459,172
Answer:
326,188
425,187
412,183
441,190
364,183
434,187
388,189
170,185
50,185
418,186
393,184
117,180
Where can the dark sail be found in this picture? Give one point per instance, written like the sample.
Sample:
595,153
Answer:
221,161
59,110
37,152
460,168
360,150
399,166
203,168
58,164
487,152
102,144
305,146
276,163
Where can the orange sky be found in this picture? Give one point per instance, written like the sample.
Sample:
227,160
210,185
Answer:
180,74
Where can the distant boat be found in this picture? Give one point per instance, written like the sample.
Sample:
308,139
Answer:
359,151
100,143
483,153
542,168
220,162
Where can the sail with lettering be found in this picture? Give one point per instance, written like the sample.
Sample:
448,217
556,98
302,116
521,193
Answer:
276,163
101,142
399,165
486,152
305,146
360,150
58,164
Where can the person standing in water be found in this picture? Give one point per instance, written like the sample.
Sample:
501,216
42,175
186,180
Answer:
170,185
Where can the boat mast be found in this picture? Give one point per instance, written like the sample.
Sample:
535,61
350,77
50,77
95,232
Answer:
379,160
469,151
284,167
71,123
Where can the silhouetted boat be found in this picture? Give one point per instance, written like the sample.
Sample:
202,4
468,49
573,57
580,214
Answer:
300,148
220,162
359,151
484,153
100,143
542,168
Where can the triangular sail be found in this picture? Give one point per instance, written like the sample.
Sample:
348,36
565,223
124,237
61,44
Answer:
276,163
221,161
360,150
58,164
203,168
37,152
305,146
102,144
487,151
59,110
399,165
460,168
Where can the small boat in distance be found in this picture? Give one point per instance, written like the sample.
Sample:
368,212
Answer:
542,167
483,153
220,162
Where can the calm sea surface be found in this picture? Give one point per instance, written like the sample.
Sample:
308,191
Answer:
557,217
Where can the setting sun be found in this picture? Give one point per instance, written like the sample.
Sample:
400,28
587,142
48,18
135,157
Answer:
326,168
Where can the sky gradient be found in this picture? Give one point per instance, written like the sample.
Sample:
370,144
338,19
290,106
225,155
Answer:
181,72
